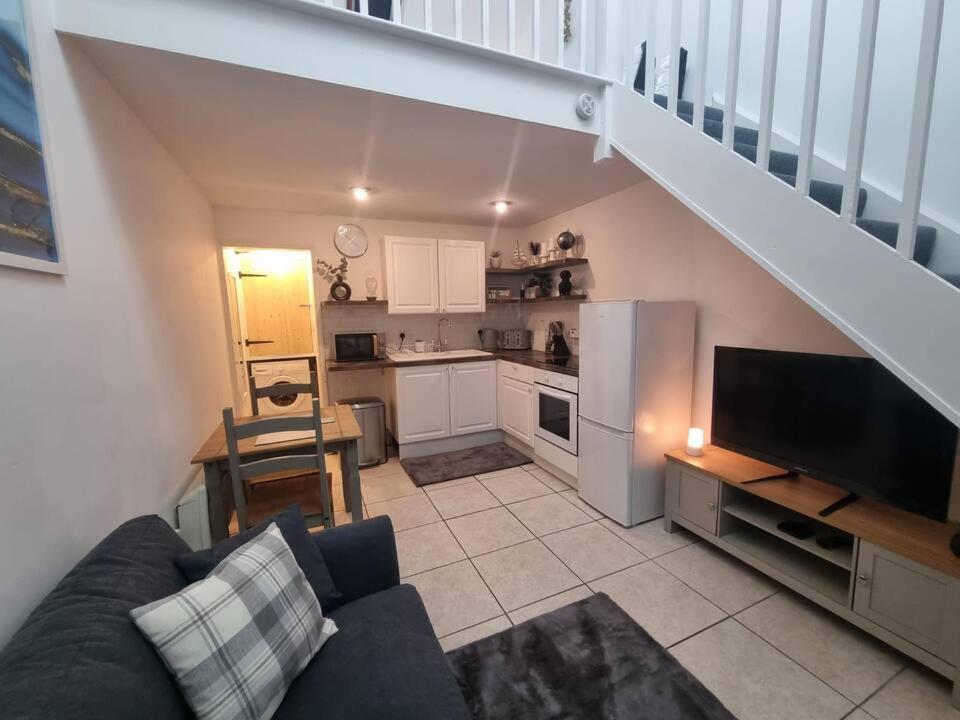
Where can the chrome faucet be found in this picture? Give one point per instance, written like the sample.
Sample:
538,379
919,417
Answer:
441,342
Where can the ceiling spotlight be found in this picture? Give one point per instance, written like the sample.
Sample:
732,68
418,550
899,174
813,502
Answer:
360,194
501,206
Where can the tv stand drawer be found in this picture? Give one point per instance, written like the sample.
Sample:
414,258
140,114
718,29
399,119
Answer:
693,496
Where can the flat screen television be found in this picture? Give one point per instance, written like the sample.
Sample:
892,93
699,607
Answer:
845,420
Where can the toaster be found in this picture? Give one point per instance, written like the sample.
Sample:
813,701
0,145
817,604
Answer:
515,339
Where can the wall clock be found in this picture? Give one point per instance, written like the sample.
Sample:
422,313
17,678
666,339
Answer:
350,240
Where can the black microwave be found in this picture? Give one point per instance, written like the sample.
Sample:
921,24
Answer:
354,347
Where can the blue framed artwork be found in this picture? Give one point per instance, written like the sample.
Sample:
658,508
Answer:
27,236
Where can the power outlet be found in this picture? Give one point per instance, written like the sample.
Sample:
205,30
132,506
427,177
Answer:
575,333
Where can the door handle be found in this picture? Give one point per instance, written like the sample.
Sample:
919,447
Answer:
863,579
249,342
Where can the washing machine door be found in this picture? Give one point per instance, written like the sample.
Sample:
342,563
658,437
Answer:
283,404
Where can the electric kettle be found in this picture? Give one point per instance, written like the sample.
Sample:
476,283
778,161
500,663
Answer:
489,338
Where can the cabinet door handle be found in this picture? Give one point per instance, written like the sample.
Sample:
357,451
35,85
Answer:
863,579
712,505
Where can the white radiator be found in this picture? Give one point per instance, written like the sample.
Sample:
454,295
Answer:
193,519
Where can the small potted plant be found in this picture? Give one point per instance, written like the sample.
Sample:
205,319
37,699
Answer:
496,258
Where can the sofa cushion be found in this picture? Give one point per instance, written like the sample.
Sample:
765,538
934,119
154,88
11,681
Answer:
79,655
197,565
385,662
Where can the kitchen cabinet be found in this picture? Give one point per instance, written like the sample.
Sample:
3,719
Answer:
473,397
517,401
427,275
440,401
423,403
910,600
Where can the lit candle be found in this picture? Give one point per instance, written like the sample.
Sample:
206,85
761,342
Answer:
695,442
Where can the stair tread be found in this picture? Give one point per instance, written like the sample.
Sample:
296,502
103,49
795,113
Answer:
828,194
887,232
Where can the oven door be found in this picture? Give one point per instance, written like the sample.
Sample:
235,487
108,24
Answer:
557,423
354,347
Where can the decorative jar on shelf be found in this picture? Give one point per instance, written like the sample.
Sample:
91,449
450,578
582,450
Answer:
371,283
496,260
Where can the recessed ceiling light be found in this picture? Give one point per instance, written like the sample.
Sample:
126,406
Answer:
501,206
360,194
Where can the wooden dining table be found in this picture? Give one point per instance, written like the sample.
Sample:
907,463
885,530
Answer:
341,435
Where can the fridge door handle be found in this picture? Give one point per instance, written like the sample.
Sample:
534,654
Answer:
604,428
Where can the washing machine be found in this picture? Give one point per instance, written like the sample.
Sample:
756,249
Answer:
282,372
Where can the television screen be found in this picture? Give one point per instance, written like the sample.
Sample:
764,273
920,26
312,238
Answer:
844,420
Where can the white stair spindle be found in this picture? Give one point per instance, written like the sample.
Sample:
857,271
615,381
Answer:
561,14
428,15
512,26
811,94
485,23
733,72
700,81
583,35
536,29
458,19
651,39
364,7
673,92
395,12
861,104
920,126
769,83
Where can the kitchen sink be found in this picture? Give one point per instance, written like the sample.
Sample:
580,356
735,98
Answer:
447,355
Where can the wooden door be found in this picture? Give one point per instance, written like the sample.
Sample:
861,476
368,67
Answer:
516,409
423,403
473,397
276,302
412,275
463,277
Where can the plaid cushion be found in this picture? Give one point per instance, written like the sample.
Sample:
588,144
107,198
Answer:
236,640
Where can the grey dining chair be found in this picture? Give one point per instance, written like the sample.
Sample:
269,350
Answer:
308,468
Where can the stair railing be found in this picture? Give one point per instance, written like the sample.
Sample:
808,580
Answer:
922,99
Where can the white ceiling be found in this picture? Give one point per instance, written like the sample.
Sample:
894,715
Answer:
253,139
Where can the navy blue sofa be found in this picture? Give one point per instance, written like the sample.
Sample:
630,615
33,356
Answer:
79,656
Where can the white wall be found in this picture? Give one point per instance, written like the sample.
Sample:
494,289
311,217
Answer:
643,243
114,374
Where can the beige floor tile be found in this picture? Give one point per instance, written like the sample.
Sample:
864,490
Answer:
516,487
387,487
548,479
455,597
449,484
499,473
548,514
719,577
859,714
574,499
345,518
592,551
650,538
406,512
426,547
390,467
488,530
477,632
754,680
462,500
523,574
914,694
661,604
529,466
847,659
542,607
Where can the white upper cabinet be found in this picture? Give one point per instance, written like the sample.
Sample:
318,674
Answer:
412,275
463,279
473,397
425,275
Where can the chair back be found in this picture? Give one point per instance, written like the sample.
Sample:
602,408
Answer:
241,472
258,393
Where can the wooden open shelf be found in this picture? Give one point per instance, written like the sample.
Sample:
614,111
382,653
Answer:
530,269
552,298
354,303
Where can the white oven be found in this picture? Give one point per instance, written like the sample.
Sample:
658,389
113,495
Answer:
557,401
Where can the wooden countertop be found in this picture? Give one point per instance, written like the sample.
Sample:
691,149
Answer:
344,427
532,358
914,536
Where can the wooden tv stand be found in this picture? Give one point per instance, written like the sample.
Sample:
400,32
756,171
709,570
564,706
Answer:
896,578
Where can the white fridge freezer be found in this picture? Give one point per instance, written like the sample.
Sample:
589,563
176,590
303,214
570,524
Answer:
636,391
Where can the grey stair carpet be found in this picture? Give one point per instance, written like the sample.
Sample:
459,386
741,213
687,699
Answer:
432,469
585,660
828,194
888,231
